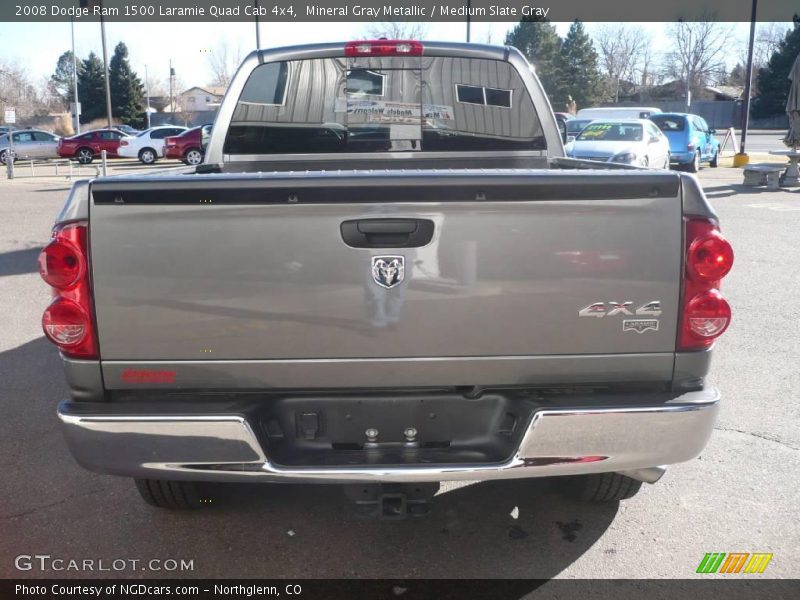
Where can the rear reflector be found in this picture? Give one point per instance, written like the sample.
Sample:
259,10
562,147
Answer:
383,48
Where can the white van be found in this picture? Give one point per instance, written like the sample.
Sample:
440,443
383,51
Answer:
618,112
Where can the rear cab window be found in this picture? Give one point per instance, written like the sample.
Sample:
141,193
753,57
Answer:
358,104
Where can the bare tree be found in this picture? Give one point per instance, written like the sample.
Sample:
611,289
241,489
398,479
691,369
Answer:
18,90
698,53
625,55
397,30
223,61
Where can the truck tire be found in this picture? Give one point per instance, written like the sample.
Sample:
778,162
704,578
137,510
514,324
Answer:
602,487
175,495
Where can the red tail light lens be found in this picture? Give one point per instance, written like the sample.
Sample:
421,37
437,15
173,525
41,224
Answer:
708,314
68,322
709,257
123,143
383,48
61,264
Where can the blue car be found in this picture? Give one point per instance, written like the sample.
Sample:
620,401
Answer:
691,140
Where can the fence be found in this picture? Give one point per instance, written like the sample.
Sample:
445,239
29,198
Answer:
187,119
718,114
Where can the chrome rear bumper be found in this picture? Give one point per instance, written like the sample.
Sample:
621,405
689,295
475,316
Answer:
224,447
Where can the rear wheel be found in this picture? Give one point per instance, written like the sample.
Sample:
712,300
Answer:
84,155
193,156
602,487
714,163
694,166
148,156
175,495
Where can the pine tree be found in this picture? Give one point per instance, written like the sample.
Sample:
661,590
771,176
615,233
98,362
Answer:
127,92
541,45
91,89
580,74
773,80
61,80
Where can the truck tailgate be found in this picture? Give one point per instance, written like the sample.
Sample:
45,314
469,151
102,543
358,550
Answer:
221,271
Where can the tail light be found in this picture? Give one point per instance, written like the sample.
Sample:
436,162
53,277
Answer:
123,143
383,48
69,320
709,257
170,142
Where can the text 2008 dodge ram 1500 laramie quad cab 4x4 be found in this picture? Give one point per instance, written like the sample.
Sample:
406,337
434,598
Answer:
386,272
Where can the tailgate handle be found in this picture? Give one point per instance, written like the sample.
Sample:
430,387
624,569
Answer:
387,233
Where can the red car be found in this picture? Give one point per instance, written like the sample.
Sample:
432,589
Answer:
87,146
188,146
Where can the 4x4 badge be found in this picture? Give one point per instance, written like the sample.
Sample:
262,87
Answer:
388,271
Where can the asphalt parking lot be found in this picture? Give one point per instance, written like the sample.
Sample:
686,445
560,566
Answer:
739,496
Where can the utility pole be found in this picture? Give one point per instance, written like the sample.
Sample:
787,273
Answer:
171,101
258,34
75,81
147,95
742,159
469,20
105,66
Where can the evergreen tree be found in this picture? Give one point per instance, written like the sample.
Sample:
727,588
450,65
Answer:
91,89
127,92
540,44
580,74
61,80
773,80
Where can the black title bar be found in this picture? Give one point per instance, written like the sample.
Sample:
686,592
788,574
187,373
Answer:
179,11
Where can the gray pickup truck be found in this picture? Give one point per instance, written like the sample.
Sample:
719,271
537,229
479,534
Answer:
386,274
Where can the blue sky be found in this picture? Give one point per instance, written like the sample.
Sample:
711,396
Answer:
38,45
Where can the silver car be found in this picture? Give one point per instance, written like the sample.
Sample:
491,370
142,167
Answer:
30,143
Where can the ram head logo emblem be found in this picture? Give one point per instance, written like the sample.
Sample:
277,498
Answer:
388,271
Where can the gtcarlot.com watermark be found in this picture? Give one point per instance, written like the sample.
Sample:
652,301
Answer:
47,563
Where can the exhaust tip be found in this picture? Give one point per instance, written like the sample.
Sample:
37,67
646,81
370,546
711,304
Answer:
647,474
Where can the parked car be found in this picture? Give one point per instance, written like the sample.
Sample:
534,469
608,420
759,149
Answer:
29,143
401,308
575,126
148,146
691,140
85,147
564,115
628,141
187,146
618,112
128,130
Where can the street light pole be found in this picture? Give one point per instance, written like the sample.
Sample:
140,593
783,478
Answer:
147,95
75,80
742,159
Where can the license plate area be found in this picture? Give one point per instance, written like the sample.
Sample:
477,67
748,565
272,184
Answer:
394,430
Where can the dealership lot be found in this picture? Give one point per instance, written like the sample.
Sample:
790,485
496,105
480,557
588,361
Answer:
739,496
